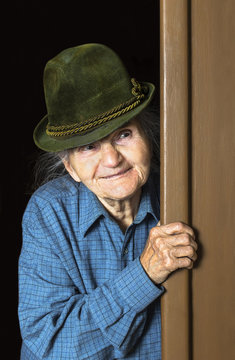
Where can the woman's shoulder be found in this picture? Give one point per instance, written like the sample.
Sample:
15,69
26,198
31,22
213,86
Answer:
56,188
56,192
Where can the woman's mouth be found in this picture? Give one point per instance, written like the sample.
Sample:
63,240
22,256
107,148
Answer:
116,175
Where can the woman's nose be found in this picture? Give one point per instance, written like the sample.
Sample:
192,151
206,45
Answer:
110,157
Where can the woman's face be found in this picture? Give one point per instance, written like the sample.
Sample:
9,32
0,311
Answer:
115,167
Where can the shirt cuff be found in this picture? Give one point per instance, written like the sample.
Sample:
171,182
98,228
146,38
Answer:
136,288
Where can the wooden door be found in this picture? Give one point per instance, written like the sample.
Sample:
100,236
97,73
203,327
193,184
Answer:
198,173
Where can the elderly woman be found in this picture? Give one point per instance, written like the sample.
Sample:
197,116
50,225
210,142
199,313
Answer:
94,256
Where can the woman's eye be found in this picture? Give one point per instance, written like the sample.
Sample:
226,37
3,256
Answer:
89,147
125,134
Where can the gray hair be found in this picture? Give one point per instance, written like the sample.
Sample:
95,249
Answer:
49,165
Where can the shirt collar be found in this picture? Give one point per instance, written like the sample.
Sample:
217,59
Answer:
150,200
91,209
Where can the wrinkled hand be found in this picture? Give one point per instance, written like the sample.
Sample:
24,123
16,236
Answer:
168,248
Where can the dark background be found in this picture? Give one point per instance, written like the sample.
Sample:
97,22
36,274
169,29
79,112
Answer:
34,32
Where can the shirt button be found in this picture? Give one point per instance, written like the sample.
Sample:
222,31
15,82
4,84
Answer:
125,251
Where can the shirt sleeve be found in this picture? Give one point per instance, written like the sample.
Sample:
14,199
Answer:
59,322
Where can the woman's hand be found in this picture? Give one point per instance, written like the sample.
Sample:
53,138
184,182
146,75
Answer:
168,248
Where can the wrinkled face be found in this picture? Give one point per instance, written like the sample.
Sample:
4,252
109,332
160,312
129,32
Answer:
115,167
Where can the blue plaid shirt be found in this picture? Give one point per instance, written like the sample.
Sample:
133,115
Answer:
83,291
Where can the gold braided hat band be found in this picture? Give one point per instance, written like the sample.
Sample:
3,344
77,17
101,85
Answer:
77,128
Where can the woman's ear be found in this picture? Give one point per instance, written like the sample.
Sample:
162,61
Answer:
71,170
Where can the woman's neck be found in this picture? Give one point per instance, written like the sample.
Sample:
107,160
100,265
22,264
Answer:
123,211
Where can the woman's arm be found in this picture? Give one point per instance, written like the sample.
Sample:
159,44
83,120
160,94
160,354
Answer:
59,322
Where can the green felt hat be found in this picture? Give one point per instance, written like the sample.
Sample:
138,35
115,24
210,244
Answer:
89,94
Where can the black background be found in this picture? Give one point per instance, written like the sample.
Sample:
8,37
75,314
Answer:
34,32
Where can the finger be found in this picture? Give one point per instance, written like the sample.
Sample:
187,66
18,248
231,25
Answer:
181,240
183,251
194,257
172,229
190,266
185,262
178,228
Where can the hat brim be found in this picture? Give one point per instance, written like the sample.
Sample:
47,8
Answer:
54,144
